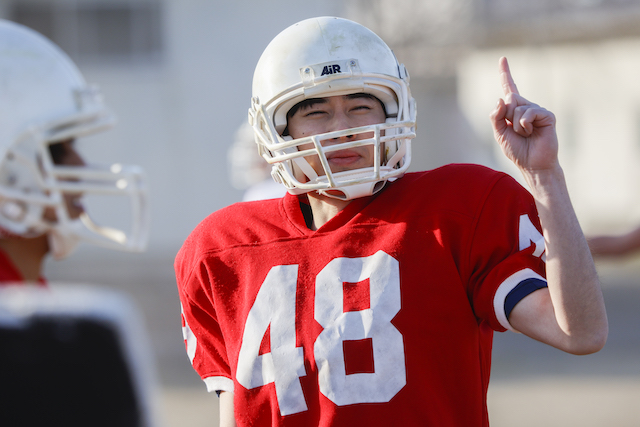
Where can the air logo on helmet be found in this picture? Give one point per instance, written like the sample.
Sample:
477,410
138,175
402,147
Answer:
331,69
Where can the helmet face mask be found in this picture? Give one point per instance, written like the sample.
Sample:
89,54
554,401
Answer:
324,57
45,102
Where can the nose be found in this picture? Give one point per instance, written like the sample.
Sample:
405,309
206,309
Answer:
340,121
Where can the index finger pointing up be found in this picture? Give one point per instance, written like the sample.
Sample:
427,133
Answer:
506,80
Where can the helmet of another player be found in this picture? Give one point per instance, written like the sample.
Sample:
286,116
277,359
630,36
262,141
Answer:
318,58
45,105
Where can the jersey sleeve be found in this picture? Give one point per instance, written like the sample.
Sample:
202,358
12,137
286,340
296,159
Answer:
507,256
201,330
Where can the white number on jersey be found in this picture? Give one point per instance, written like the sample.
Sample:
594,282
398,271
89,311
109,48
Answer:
529,234
275,307
388,350
190,339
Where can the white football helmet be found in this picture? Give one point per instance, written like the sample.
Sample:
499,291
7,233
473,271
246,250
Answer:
323,57
45,100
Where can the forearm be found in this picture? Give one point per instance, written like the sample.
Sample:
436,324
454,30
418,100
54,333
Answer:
574,287
227,418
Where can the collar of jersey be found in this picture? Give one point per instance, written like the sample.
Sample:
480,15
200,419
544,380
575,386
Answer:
296,218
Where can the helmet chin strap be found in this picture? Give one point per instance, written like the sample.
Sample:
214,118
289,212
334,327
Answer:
306,168
106,232
354,191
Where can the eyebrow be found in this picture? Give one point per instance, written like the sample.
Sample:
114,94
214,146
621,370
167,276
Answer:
368,96
303,105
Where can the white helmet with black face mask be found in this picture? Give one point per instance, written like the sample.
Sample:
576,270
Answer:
45,103
322,57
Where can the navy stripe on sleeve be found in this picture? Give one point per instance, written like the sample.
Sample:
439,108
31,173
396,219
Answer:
518,293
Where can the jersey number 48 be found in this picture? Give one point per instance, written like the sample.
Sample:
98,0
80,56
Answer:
274,308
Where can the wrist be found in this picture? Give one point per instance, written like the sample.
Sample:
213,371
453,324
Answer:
544,182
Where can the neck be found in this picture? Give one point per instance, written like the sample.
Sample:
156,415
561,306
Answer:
27,255
324,208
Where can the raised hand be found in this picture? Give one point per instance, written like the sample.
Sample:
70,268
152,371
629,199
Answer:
525,131
570,313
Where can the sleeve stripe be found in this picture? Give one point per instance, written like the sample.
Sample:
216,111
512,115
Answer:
523,289
502,293
218,384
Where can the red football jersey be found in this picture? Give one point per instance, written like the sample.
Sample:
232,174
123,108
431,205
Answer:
383,316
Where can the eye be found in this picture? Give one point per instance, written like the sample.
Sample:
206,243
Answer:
312,113
362,107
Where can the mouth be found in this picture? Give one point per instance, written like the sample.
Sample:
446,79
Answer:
345,157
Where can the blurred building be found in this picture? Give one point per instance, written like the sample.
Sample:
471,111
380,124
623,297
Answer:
578,58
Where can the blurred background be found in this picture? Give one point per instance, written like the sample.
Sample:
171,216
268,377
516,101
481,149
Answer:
178,75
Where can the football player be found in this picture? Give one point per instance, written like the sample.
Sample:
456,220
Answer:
369,295
47,189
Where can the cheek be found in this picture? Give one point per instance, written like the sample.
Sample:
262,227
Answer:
300,133
49,215
305,147
302,127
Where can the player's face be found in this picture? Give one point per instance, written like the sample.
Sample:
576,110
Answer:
64,154
334,113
